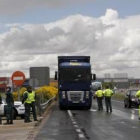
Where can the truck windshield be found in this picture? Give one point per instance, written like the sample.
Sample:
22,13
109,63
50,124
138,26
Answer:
75,74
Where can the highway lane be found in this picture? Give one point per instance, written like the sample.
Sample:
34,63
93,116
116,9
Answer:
91,124
57,127
120,105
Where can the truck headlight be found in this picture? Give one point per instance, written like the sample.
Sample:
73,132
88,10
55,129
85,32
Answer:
63,95
132,99
87,94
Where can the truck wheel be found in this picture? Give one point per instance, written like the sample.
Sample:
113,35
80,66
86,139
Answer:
88,107
61,107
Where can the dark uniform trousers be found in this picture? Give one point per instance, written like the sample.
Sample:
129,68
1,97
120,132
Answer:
27,112
33,110
108,104
100,104
9,112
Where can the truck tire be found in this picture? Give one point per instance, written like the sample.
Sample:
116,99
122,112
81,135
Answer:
88,107
61,107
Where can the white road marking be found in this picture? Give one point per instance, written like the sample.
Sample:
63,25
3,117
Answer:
77,128
134,127
93,110
74,122
81,136
70,114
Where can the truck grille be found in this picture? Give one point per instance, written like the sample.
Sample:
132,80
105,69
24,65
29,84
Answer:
75,96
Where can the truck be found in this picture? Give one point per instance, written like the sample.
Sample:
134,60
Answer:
74,81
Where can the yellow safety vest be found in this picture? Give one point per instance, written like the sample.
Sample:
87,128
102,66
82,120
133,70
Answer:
108,93
28,100
32,96
99,93
138,94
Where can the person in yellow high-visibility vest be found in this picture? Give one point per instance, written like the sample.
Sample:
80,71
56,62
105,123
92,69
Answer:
108,93
138,96
27,103
99,96
33,100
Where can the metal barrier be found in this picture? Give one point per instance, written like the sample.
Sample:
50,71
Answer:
42,106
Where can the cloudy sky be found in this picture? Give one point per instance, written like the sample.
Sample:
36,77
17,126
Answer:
33,33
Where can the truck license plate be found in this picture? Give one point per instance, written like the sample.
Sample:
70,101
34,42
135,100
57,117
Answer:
75,102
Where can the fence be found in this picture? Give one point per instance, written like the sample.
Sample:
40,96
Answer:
41,106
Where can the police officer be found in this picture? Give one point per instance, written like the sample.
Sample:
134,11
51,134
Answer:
99,96
108,93
9,107
138,96
27,103
33,99
0,104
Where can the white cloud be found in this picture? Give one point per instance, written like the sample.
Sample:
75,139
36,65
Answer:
112,43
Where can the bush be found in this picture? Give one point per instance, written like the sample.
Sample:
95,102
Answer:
47,92
21,91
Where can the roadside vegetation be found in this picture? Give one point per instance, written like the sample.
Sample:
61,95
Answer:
118,96
43,93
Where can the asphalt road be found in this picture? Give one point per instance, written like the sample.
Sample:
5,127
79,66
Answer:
121,124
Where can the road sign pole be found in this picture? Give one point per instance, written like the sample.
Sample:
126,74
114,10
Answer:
18,91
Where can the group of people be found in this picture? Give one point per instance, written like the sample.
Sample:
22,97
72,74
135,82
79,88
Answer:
100,94
29,98
107,93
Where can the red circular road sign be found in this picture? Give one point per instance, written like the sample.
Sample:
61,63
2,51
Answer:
18,78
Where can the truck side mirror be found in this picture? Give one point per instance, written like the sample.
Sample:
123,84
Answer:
93,76
55,77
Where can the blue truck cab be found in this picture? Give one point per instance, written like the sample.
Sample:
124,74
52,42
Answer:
74,81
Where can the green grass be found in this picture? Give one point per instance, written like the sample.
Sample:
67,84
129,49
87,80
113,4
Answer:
118,96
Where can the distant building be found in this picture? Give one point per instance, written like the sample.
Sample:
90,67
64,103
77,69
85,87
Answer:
119,80
4,81
41,74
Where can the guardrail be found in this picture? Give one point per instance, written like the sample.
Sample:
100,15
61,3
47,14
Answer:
42,107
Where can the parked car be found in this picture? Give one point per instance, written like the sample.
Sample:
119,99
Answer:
130,99
18,109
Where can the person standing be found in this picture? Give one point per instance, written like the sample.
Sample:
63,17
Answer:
27,103
0,104
108,93
33,99
9,107
138,96
99,96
